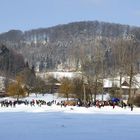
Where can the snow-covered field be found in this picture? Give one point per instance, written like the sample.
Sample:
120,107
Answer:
68,109
67,126
67,123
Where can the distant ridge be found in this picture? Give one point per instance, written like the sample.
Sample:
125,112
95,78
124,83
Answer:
58,46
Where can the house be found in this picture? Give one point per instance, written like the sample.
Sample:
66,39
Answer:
110,83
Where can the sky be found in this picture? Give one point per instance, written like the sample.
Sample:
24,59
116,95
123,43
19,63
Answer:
32,14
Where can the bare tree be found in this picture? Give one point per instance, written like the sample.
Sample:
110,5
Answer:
93,67
132,59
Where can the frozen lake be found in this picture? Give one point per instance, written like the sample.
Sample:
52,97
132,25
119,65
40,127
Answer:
61,126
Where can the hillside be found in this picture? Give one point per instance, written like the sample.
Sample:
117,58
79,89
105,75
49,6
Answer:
10,61
63,46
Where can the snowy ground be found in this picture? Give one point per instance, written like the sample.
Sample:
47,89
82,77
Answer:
65,126
68,109
67,123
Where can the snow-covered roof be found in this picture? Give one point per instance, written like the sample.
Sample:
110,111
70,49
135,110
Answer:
115,82
59,75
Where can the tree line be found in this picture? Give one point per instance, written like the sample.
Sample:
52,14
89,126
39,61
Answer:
50,48
121,59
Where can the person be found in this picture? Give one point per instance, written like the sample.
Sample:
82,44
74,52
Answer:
61,103
131,106
113,105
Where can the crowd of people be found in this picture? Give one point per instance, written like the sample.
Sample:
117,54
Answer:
97,103
79,103
13,103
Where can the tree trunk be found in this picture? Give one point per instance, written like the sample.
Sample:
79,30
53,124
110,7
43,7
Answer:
96,84
120,83
67,96
84,91
18,97
130,85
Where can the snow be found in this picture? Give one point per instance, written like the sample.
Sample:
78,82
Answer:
61,126
68,109
56,122
71,109
110,82
58,75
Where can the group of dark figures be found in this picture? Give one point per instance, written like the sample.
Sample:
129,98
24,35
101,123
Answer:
113,104
97,103
10,103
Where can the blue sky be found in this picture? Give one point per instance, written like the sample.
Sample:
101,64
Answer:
31,14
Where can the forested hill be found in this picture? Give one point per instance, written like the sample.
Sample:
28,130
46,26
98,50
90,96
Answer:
10,61
62,46
70,31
